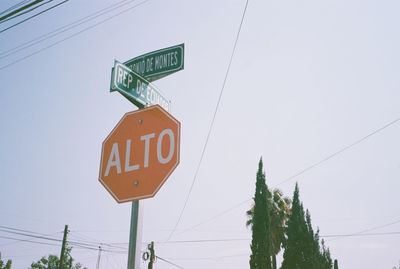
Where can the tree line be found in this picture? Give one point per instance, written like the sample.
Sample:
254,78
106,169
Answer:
279,223
49,262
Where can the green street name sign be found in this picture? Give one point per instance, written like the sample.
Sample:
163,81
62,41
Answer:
160,63
136,88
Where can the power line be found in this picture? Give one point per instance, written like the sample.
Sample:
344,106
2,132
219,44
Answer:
115,261
205,241
31,235
27,11
72,243
64,28
13,12
11,243
77,245
229,240
211,125
215,216
21,230
210,258
100,243
358,234
299,173
248,239
338,152
33,16
28,241
368,230
14,6
90,246
379,227
164,260
81,244
73,35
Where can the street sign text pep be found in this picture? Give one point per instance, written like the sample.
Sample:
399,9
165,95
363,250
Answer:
135,88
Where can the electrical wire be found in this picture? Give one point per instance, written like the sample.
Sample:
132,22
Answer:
338,152
229,240
298,173
16,11
205,241
14,6
28,241
74,244
88,246
358,234
115,261
367,230
169,262
215,216
80,244
93,242
25,12
210,258
33,16
21,230
222,240
31,235
109,263
64,28
73,35
211,125
379,227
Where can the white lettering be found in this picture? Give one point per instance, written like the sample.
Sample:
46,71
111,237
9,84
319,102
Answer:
146,139
171,152
113,160
129,167
124,79
130,78
120,75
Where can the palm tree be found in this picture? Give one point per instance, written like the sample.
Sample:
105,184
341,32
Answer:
280,210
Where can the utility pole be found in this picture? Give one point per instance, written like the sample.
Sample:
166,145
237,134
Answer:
152,255
98,259
61,263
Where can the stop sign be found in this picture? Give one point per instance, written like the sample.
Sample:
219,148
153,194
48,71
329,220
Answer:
139,154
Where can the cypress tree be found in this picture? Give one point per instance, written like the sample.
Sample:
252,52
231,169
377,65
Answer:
302,246
260,257
311,250
326,256
335,265
296,241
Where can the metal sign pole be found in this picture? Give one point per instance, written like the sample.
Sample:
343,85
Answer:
135,237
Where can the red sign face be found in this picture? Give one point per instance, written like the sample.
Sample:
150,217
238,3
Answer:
139,154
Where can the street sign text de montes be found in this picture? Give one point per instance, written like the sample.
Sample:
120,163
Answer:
160,63
135,88
140,153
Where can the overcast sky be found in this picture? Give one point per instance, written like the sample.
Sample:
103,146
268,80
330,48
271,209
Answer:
308,79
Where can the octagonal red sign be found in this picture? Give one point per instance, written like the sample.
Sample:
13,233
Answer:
140,154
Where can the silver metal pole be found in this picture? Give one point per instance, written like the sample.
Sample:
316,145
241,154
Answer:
135,237
98,259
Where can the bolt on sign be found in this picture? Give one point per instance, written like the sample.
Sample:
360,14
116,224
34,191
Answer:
140,154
